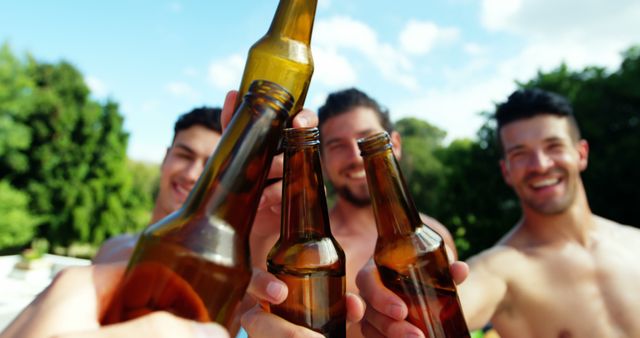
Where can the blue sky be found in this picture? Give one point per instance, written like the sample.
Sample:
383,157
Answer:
443,61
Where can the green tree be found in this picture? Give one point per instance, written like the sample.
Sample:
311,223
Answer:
18,225
67,152
423,170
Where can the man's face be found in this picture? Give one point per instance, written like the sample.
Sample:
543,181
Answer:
183,164
543,163
340,154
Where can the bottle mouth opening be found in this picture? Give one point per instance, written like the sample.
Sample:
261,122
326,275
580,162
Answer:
297,137
271,91
374,143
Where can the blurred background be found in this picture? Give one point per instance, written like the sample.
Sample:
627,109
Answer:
89,93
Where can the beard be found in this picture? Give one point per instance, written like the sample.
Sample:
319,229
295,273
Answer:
349,196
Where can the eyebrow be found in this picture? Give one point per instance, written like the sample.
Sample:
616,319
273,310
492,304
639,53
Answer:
546,140
184,147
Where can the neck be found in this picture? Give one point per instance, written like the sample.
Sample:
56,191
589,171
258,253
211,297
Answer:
573,224
349,218
157,214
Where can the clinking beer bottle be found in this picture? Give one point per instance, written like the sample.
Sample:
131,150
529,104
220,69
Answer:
306,256
283,54
195,262
410,256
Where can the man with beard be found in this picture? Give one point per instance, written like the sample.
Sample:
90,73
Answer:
346,116
561,271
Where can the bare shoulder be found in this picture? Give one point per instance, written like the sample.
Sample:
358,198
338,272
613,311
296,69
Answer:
116,248
619,232
498,259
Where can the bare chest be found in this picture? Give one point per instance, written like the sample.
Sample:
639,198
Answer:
573,293
358,252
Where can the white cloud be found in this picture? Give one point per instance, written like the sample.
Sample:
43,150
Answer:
98,87
584,20
578,32
316,100
226,73
473,49
190,72
344,35
332,69
456,108
497,14
419,37
324,4
182,90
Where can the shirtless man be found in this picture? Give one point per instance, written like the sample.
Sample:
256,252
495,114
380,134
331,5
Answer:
196,135
561,271
346,116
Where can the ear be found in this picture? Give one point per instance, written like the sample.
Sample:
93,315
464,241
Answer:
504,169
396,144
583,154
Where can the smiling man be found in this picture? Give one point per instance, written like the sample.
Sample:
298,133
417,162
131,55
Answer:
346,116
561,271
196,135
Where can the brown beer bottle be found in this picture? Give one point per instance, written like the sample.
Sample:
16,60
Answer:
410,256
306,256
283,54
195,262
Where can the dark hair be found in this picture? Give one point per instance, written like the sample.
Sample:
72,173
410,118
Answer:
204,116
527,103
343,101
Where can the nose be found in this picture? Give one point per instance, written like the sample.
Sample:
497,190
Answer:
540,162
192,171
353,152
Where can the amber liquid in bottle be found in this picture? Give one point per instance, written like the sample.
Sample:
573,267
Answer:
307,257
283,54
195,262
411,257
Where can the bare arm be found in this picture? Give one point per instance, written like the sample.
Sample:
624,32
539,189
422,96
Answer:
484,289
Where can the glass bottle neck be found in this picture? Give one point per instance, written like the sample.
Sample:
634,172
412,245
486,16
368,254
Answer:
393,207
304,211
294,20
236,172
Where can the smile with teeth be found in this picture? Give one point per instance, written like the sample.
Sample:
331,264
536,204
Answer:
182,189
545,183
357,174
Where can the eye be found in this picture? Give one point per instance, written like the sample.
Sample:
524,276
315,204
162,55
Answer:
181,154
516,155
335,146
555,146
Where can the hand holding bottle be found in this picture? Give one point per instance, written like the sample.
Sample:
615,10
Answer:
386,312
266,288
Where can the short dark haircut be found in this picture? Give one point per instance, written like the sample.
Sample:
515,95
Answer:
528,103
340,102
204,116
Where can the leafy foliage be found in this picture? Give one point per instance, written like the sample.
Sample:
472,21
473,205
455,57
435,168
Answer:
66,152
